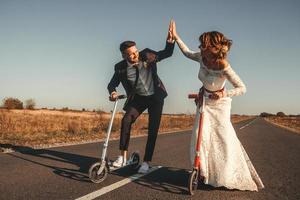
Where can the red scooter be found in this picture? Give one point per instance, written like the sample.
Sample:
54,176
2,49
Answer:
195,177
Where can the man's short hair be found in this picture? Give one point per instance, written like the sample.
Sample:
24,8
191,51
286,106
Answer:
125,45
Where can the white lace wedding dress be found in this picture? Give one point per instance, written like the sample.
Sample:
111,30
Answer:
224,161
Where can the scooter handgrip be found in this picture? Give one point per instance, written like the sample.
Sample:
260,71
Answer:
193,96
123,96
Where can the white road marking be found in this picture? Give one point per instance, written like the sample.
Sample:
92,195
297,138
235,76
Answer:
248,124
116,185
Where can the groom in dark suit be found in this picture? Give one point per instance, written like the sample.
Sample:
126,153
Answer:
138,74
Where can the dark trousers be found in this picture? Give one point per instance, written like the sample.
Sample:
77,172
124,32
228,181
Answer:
136,107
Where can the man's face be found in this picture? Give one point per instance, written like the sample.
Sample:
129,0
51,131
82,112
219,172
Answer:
131,54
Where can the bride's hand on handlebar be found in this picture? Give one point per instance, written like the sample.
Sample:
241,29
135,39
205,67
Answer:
216,95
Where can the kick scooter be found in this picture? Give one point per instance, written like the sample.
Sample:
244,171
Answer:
195,177
99,170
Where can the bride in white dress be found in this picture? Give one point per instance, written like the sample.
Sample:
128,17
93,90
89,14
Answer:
224,161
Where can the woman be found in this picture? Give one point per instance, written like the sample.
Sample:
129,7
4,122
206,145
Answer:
224,161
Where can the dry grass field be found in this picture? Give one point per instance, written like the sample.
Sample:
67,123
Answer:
38,128
291,123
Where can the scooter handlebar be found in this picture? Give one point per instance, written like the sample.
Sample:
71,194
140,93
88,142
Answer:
122,96
193,96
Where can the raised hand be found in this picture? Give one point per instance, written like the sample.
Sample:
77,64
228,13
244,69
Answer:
173,29
170,37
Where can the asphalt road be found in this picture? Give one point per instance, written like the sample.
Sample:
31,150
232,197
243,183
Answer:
62,173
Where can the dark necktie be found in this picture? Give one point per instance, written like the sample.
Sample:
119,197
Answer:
137,73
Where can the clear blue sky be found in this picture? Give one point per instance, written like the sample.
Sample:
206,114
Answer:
62,52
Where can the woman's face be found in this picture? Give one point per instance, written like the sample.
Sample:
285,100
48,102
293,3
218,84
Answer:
210,53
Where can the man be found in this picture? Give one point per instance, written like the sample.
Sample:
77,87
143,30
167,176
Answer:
144,89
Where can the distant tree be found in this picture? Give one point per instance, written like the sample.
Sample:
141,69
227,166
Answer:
100,111
83,109
30,104
280,114
265,114
65,109
12,103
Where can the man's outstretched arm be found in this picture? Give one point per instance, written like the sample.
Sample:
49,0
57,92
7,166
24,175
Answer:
169,48
153,56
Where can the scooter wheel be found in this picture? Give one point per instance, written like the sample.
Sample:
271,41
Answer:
193,182
94,177
135,159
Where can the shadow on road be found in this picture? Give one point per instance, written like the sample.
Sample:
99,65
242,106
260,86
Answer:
172,180
54,160
165,179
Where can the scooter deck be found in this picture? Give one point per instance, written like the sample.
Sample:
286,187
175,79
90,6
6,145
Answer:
113,168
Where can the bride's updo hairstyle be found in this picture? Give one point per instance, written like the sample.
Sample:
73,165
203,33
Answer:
217,40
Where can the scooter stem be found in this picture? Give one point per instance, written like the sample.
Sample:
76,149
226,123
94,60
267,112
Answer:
197,161
105,145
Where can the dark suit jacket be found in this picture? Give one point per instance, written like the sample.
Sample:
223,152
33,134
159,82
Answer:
120,74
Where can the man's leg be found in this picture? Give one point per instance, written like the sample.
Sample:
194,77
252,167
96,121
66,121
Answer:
136,107
155,110
129,118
